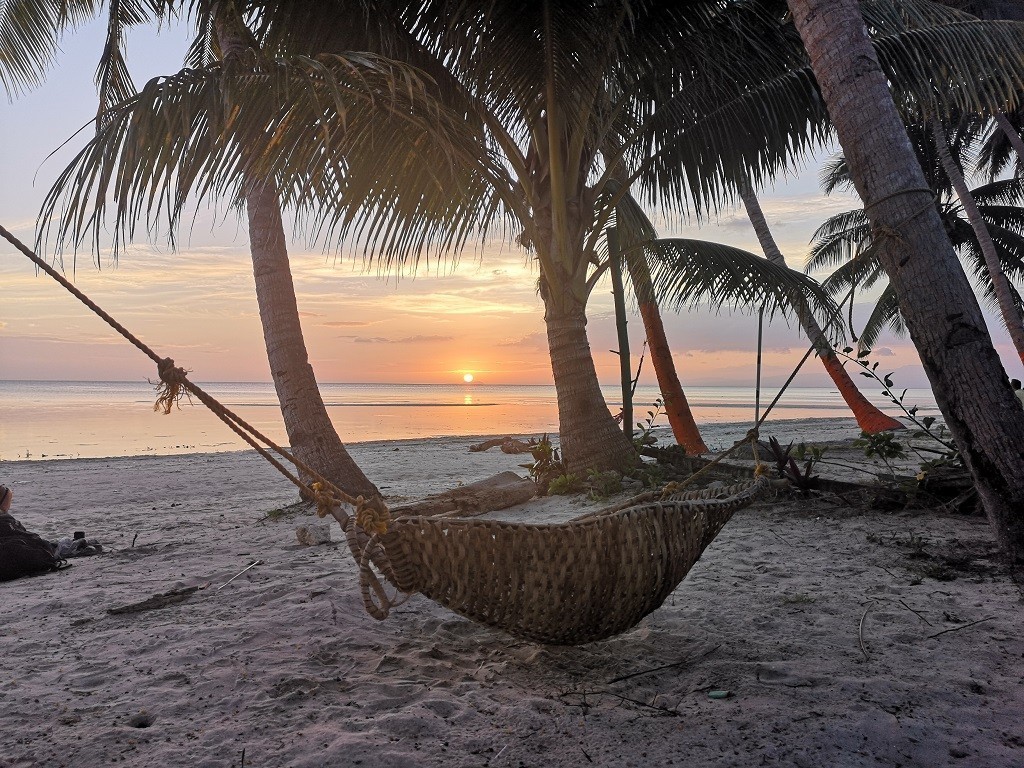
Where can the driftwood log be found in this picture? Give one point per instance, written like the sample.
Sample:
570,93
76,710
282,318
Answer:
499,492
508,444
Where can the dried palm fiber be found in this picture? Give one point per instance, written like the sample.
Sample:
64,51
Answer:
563,584
566,583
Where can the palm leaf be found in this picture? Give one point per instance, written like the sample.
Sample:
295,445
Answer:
30,32
884,315
690,272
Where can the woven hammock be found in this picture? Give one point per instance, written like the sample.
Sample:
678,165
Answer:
562,584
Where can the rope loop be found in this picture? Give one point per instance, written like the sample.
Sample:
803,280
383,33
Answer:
172,387
372,515
375,599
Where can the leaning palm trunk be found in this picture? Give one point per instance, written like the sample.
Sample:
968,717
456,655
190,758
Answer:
1000,285
869,418
1012,136
589,436
677,408
941,312
311,435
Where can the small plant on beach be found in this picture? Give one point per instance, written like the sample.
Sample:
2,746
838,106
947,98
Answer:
924,424
787,467
564,485
650,475
601,485
884,445
643,437
547,465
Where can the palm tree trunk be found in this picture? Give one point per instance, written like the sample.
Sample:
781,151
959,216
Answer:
1012,136
589,436
677,408
869,418
938,305
621,329
1000,285
311,435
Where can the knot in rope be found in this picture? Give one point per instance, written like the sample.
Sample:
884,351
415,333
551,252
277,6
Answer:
171,388
323,498
372,515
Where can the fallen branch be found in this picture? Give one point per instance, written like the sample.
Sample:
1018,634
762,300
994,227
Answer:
508,444
172,597
962,626
663,666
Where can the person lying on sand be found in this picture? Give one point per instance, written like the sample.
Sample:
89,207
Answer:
23,553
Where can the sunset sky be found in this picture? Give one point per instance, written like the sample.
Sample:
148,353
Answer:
198,306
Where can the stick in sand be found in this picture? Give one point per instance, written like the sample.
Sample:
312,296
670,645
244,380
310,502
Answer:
253,564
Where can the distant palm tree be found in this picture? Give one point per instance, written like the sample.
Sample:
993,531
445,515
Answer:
847,240
1007,299
869,418
935,298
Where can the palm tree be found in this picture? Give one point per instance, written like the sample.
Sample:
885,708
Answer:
311,435
30,32
869,418
846,239
1006,297
938,306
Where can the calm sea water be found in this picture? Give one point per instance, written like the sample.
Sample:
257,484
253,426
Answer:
48,419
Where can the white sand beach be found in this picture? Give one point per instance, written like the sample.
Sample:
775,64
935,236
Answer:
844,637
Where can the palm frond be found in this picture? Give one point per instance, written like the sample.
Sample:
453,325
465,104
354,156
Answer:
194,135
1007,192
689,272
839,239
954,69
884,315
834,174
113,81
30,32
862,272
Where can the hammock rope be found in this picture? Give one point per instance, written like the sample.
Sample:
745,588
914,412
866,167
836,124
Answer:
567,583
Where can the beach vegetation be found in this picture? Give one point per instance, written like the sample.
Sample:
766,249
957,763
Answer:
547,465
643,437
565,484
601,485
926,426
800,477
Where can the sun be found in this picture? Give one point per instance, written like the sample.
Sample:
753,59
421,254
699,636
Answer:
468,378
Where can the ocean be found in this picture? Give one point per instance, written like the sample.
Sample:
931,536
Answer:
87,419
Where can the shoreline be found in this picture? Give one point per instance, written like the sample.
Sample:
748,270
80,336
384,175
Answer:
718,436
